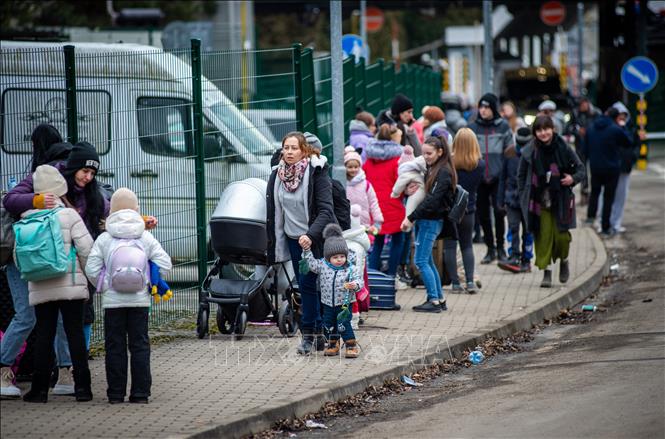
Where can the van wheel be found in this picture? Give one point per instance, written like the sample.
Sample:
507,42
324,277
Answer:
241,325
224,325
202,323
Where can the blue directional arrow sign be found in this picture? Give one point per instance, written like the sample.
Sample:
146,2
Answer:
352,45
639,75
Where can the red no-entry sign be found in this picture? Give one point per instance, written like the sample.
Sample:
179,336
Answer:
552,13
374,19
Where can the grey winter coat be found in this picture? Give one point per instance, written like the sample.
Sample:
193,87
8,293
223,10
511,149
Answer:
332,279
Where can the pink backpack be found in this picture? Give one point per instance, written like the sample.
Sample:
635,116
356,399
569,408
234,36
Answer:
126,267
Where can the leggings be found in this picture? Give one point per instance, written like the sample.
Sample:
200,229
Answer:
465,232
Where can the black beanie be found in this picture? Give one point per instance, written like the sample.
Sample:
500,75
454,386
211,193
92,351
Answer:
490,100
523,136
400,104
83,155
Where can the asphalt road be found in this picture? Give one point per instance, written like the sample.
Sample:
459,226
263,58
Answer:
602,379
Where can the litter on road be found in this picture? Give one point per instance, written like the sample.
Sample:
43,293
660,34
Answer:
313,424
409,381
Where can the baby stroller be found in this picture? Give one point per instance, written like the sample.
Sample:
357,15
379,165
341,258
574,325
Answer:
239,238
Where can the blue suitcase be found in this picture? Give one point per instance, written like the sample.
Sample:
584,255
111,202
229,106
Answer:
381,291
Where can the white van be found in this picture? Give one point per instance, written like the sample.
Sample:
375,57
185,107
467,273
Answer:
135,105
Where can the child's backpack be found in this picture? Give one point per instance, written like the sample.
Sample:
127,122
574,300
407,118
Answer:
40,250
126,266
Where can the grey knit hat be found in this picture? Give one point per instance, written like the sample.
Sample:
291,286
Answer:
334,243
523,136
313,141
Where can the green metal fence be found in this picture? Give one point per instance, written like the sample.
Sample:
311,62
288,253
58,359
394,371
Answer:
178,126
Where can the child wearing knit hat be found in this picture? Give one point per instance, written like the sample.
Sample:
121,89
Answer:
339,282
119,265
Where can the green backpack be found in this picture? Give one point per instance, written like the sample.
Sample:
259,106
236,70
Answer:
40,250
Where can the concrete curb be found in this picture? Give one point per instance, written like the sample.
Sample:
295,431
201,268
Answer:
262,419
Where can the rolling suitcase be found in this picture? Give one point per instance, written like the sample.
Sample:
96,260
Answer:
381,291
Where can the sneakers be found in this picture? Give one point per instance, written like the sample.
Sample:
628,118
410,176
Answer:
456,289
525,267
355,320
501,255
428,307
138,399
305,347
362,319
547,279
7,387
443,305
351,350
403,274
564,271
332,349
512,264
65,384
471,288
489,257
399,285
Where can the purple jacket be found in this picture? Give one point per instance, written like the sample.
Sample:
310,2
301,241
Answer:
359,136
19,199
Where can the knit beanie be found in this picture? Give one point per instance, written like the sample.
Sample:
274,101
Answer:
313,141
523,136
124,198
433,114
83,155
490,100
46,179
334,243
351,154
400,104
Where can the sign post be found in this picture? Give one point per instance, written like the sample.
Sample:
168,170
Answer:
639,75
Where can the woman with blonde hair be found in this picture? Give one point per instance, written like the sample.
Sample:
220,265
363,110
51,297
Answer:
470,168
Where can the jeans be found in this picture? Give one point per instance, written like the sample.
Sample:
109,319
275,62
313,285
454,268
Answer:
127,327
47,321
396,246
427,232
465,234
23,321
607,182
330,324
620,196
62,357
310,316
487,198
514,221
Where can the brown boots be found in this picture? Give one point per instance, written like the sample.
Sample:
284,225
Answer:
351,351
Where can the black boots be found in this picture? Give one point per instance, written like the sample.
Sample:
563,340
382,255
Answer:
311,341
82,389
489,257
36,395
547,279
564,271
501,255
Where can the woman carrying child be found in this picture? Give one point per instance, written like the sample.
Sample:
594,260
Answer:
431,217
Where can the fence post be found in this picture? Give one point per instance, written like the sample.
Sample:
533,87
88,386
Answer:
297,85
70,86
199,162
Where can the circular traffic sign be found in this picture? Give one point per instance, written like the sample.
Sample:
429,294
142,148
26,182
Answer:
374,18
639,74
553,13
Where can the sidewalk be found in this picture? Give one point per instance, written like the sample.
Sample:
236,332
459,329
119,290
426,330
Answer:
223,388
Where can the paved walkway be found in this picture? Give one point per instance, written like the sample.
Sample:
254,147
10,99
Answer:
200,384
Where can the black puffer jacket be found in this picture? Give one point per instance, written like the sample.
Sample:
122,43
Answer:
439,200
321,213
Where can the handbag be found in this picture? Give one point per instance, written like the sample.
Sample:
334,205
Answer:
458,210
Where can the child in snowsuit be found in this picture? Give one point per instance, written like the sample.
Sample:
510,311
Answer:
410,171
126,312
339,283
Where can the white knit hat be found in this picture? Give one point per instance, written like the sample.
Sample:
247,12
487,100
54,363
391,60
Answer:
47,179
124,198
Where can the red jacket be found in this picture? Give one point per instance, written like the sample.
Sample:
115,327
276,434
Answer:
383,175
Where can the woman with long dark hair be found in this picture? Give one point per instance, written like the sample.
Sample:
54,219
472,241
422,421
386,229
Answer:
431,218
547,172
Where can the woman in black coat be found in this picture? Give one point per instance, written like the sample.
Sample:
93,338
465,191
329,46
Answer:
431,217
299,206
547,172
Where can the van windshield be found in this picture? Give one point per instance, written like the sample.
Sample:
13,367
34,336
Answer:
242,128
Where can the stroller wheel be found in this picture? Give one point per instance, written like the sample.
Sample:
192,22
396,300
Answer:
202,323
286,319
224,325
241,325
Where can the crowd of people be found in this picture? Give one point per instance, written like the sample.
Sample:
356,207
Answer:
404,177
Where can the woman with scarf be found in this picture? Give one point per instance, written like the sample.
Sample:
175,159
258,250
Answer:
299,205
547,172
